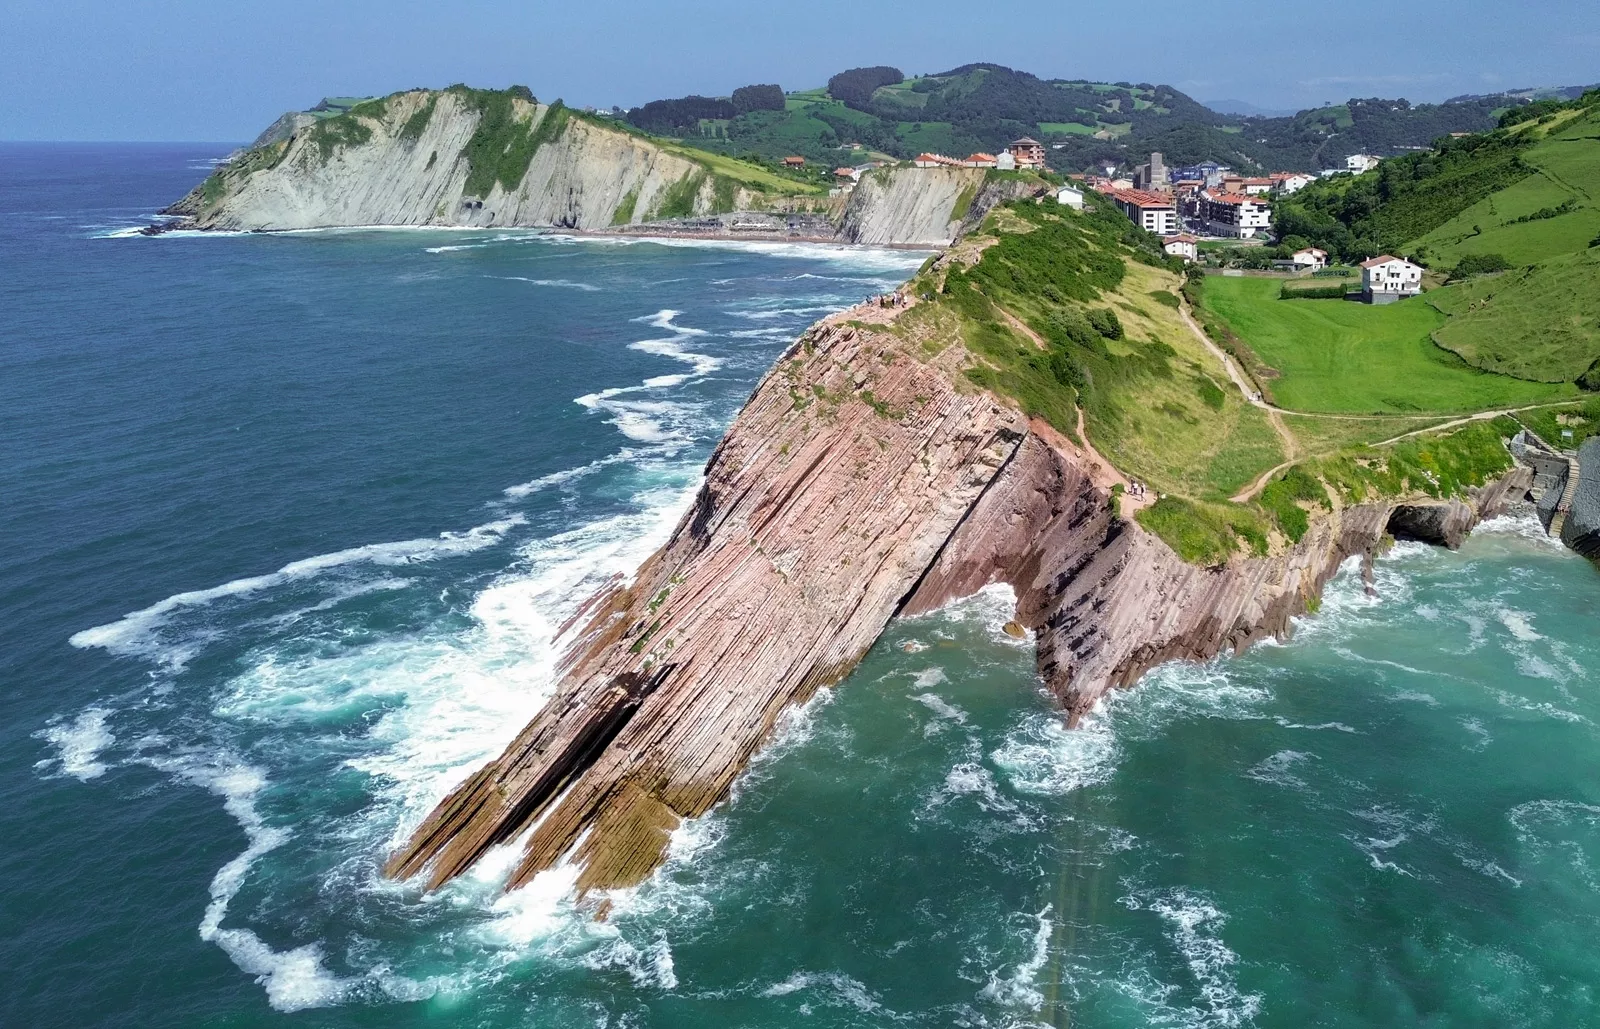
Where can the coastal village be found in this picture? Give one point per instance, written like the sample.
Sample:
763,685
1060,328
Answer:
1186,206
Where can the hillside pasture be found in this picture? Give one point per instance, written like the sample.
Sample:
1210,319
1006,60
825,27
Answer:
1541,323
1343,356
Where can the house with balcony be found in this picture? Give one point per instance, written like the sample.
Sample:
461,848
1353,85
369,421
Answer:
1385,279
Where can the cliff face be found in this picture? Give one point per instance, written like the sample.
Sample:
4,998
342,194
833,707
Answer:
843,477
413,166
859,481
409,159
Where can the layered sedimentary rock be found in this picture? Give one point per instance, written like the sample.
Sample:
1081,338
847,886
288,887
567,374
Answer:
579,178
842,478
858,482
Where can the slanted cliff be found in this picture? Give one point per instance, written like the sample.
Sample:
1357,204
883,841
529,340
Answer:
892,461
456,157
476,158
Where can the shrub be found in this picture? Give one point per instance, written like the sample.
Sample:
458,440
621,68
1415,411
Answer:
1334,292
1106,322
1479,264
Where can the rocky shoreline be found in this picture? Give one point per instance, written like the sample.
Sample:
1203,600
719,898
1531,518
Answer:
860,483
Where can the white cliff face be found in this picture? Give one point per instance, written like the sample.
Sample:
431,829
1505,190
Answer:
910,205
405,160
580,178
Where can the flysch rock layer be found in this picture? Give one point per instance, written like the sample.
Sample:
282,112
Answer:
589,177
841,479
858,482
578,180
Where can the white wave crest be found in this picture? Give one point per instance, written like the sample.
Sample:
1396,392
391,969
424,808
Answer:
137,633
80,742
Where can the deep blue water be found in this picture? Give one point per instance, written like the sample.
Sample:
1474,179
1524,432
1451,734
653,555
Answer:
286,526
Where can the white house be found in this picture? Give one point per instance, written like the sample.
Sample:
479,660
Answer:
1182,245
1005,161
1311,258
1234,214
1291,182
1385,279
1359,163
1072,196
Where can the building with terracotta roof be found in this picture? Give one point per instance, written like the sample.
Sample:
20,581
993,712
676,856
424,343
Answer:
1234,214
1028,152
794,161
1385,279
980,160
1182,245
1153,212
1291,182
1311,259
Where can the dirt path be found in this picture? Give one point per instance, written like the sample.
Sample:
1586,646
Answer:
1291,445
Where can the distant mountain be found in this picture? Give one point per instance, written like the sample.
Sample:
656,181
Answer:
1531,93
1245,109
983,107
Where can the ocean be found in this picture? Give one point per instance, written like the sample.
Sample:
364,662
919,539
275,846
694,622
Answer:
289,522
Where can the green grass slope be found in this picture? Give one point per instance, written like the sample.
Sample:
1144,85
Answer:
1540,323
1339,356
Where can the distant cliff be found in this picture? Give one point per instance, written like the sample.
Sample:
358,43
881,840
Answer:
464,157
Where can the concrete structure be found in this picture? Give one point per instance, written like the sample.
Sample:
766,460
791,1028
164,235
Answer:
1072,196
1003,161
1359,163
1028,152
1182,245
1239,215
1152,176
1385,279
1153,212
1208,172
1310,259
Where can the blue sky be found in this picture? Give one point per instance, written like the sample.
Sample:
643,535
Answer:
186,70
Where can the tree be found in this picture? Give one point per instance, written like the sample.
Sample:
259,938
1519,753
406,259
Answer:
758,98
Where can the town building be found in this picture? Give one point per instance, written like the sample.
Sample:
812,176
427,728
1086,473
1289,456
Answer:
1028,152
1309,259
1359,163
1072,196
1285,183
1004,161
1234,214
1153,212
794,162
1208,172
1152,175
1182,245
980,160
1385,279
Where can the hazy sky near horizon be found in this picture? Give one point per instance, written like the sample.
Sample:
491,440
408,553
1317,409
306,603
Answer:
186,70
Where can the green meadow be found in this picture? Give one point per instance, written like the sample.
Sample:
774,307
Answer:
1341,356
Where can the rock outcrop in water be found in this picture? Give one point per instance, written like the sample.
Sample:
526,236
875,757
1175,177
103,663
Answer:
860,481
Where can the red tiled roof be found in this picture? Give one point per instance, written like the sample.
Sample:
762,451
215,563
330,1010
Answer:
1026,141
1382,259
1233,198
1182,237
1141,198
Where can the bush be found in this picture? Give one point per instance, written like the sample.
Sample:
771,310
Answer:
1106,322
1334,292
1479,264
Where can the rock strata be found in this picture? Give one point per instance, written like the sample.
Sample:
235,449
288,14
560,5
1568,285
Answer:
1582,529
858,482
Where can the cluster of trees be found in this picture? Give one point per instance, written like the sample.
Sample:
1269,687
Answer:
683,115
854,88
1404,198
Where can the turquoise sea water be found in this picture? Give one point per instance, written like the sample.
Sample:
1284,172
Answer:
288,524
